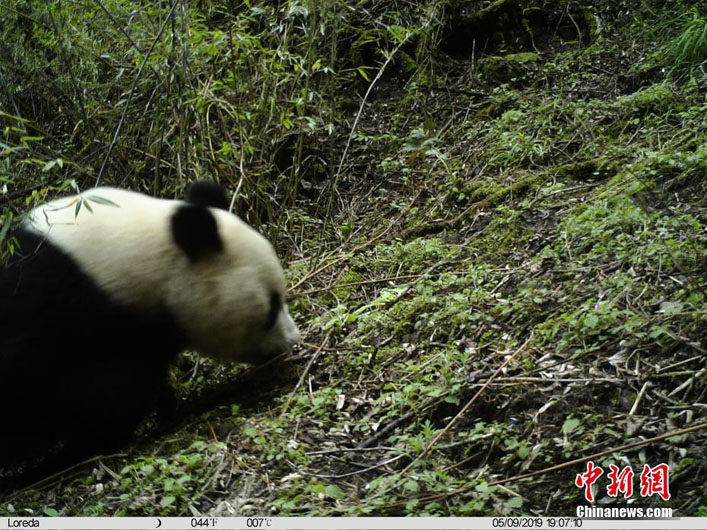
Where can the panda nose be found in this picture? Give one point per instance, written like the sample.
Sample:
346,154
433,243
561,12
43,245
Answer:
296,336
291,331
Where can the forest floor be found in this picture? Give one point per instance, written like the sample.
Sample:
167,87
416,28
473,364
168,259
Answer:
516,285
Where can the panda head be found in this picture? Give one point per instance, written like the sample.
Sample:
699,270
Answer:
189,261
229,296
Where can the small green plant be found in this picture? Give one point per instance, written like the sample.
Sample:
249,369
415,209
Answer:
689,48
168,483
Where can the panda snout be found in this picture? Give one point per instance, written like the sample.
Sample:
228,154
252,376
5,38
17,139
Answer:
290,331
295,337
281,338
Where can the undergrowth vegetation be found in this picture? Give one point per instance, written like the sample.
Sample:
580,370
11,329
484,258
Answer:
495,216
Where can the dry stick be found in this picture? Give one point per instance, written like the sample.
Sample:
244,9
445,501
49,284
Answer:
417,277
355,284
362,246
304,374
132,91
524,379
398,422
47,481
465,407
639,398
120,28
370,282
358,471
326,266
355,123
311,346
624,447
335,179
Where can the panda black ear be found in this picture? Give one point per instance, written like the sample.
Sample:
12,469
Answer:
206,193
194,231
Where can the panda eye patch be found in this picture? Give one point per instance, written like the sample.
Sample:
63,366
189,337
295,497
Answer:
275,304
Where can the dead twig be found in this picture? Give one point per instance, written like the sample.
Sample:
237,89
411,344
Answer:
607,452
466,407
399,421
59,475
625,447
367,244
350,473
306,370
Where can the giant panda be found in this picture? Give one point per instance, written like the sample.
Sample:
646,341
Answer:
106,288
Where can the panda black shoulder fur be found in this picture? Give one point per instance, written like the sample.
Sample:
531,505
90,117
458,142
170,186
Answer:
95,306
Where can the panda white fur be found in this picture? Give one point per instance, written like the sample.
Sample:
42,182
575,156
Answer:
95,306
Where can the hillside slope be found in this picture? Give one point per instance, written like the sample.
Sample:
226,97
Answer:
499,262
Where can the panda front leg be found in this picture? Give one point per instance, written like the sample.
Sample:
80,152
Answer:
112,418
123,390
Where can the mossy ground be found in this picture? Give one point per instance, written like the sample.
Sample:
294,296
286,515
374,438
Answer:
559,218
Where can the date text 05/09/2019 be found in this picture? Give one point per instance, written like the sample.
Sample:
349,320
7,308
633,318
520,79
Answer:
537,522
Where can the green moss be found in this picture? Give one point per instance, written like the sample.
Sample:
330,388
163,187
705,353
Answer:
506,232
656,98
348,283
413,257
522,58
501,69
